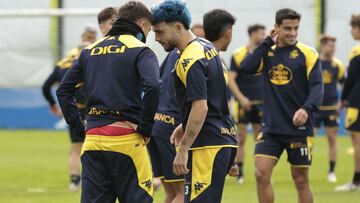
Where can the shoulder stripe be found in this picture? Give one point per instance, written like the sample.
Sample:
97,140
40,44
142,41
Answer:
130,41
354,52
239,55
311,56
340,67
192,53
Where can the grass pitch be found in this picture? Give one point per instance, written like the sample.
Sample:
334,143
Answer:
33,169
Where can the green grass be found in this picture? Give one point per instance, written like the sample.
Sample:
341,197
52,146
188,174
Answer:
33,169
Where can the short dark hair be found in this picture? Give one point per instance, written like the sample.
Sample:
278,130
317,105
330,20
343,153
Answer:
171,11
324,39
215,22
134,11
106,14
355,20
286,13
255,28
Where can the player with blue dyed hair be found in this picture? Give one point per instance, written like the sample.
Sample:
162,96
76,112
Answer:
206,137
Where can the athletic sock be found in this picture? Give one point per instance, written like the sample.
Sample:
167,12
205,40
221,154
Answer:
240,166
332,166
356,179
75,179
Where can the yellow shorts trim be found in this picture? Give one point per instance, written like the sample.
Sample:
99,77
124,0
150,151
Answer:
300,166
174,181
215,146
267,156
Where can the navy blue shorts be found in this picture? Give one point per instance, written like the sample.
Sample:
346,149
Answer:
252,116
327,118
208,169
352,122
298,148
116,167
162,154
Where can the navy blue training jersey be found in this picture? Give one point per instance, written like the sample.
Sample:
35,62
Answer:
333,74
252,86
293,80
121,76
200,76
167,116
57,75
351,91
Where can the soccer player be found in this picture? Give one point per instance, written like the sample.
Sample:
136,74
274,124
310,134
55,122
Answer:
248,89
293,90
106,19
218,25
77,139
121,78
351,99
333,75
206,137
162,152
198,30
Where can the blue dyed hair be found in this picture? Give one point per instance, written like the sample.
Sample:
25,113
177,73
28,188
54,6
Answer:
171,11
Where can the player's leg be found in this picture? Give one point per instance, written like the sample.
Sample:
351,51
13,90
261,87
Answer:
268,150
177,191
256,130
74,165
263,171
173,185
299,151
300,176
355,136
96,185
209,167
130,166
331,136
241,137
240,155
74,160
353,125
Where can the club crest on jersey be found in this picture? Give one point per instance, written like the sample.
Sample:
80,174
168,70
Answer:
280,75
327,77
294,54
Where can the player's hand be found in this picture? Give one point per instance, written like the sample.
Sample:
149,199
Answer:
55,110
234,171
180,163
300,117
134,127
177,135
274,36
245,103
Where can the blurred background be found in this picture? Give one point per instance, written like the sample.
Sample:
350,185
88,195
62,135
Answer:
35,34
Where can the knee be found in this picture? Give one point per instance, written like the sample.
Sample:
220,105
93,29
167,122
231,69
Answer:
301,181
262,176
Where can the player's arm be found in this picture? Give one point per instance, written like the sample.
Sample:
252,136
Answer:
148,68
196,93
253,63
46,90
244,101
352,77
66,95
315,98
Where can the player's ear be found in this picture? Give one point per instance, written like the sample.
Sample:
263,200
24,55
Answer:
276,27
